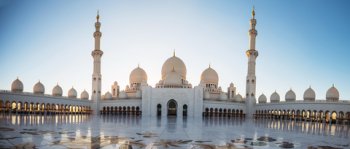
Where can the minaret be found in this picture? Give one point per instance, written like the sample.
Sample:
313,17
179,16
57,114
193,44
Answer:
96,75
252,54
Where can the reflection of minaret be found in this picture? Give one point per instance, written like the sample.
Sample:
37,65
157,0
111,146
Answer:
96,76
251,78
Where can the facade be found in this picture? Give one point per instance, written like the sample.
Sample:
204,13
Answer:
173,95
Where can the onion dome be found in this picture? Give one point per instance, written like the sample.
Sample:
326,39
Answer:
332,94
238,98
262,98
57,91
173,78
138,75
39,88
108,96
84,95
17,86
231,85
290,96
309,94
223,96
206,95
209,76
177,64
275,97
123,95
72,93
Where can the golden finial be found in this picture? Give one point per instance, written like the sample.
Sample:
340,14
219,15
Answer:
98,15
174,53
209,65
253,12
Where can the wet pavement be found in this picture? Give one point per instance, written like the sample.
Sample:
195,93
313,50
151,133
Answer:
126,132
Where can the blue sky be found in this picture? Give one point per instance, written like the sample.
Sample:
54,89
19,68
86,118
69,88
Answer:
301,43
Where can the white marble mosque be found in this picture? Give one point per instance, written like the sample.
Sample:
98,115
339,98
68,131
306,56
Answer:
173,95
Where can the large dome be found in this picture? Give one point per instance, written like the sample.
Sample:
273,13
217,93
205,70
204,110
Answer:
17,86
309,94
209,76
173,78
84,95
290,96
275,97
72,93
332,94
39,88
177,64
57,91
138,75
262,98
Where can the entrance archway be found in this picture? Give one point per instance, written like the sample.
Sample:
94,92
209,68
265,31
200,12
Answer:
172,107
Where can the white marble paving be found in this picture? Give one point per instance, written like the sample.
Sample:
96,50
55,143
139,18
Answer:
118,131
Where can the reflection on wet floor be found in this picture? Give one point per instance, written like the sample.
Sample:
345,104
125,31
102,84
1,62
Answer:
124,132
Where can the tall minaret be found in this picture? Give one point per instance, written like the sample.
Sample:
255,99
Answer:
96,75
251,78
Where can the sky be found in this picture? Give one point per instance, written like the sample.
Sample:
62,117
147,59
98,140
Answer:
300,43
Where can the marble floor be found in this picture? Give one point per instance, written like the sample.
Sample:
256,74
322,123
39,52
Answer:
126,132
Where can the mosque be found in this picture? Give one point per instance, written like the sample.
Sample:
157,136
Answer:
173,95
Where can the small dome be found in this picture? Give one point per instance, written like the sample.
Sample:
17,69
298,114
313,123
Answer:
138,75
231,85
262,98
39,88
290,96
206,95
123,95
309,94
57,91
275,97
173,78
223,96
332,94
72,93
177,64
108,96
238,98
17,86
209,76
84,95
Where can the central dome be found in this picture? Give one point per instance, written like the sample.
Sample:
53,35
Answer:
174,63
173,78
138,75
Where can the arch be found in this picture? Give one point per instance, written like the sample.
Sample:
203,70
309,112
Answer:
172,107
184,110
138,110
124,110
128,110
327,116
334,116
133,110
13,106
159,110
